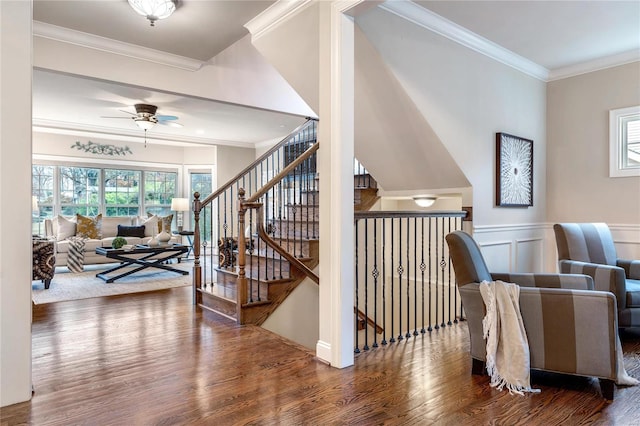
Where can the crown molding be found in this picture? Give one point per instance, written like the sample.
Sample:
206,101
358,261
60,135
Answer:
595,65
275,15
109,133
92,41
433,22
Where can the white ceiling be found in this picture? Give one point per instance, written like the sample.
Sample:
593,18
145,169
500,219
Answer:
553,34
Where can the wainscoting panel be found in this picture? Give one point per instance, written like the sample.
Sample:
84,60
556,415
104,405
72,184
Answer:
627,240
529,254
514,248
498,255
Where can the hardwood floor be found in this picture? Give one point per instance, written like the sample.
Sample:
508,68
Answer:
151,359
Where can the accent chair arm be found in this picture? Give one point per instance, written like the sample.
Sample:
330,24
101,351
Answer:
566,281
571,331
631,268
605,277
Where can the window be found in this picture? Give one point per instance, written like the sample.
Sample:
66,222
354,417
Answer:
159,189
122,192
43,188
201,182
79,191
624,142
68,190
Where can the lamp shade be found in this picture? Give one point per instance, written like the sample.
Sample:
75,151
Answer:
145,123
424,201
153,10
180,204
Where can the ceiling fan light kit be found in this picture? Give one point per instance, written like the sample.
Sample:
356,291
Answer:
153,10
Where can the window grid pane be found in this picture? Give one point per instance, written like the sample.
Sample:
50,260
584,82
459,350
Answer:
159,189
79,191
121,192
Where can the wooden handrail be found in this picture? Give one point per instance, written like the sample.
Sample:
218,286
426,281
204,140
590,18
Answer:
277,178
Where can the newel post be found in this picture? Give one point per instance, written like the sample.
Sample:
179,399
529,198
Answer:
241,290
197,269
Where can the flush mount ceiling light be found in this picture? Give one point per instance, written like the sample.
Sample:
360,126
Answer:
153,10
424,201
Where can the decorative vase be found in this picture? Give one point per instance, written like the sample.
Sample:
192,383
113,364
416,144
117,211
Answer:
153,242
163,237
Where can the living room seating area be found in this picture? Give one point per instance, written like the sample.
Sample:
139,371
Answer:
100,231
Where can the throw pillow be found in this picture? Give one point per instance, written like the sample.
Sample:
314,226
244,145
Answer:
66,228
88,227
150,225
131,231
164,222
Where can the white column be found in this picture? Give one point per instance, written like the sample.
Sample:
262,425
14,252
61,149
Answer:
15,201
336,136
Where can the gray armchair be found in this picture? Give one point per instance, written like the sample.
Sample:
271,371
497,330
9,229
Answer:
587,248
571,329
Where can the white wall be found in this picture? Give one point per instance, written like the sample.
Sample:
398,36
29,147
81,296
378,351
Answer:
466,98
15,204
579,187
296,318
392,133
232,160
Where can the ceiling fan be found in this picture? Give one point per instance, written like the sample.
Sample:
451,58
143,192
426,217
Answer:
145,117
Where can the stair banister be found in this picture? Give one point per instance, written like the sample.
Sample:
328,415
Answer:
277,178
252,203
247,169
198,204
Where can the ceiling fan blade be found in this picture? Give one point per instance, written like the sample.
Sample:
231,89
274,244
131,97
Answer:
127,112
170,123
166,117
104,116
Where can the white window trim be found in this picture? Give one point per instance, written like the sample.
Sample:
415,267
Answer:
615,143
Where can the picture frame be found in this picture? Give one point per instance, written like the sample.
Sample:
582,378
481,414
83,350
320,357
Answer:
514,171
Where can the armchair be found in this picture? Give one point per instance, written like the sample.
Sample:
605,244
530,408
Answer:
571,329
587,248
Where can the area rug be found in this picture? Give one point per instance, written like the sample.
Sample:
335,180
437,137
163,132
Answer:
85,285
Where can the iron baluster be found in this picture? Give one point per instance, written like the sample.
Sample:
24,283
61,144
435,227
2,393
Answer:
384,281
422,269
415,276
357,286
393,303
400,273
375,282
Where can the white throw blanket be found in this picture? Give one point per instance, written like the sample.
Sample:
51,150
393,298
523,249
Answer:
507,344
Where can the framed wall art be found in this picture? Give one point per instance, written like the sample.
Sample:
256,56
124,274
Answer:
514,171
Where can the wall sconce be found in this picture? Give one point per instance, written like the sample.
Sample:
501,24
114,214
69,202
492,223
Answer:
424,201
179,205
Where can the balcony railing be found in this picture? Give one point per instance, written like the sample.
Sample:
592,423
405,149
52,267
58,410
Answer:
404,282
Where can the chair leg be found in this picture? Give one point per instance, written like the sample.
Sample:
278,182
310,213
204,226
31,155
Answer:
607,388
47,283
477,367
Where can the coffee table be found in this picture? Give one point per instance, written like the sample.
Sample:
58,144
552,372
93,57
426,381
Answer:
145,256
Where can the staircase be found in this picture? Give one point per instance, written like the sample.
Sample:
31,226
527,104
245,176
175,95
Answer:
271,209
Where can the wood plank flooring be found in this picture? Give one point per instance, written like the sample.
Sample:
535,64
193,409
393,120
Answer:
151,359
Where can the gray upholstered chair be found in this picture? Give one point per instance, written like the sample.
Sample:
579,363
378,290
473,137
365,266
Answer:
571,329
587,248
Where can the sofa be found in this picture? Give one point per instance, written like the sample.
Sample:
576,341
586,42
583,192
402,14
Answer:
136,230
